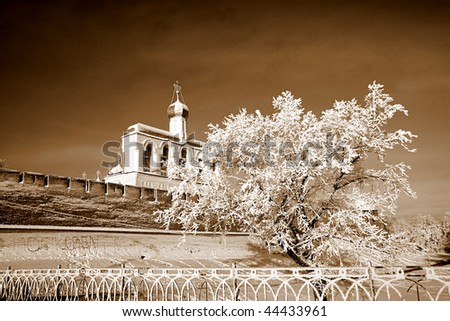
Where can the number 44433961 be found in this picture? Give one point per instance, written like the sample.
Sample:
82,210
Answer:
296,310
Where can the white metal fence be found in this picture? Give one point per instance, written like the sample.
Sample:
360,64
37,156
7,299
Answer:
227,284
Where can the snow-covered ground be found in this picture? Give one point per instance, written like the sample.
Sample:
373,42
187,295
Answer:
26,249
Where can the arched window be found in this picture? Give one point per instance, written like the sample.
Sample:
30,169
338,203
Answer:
164,158
199,161
183,157
148,156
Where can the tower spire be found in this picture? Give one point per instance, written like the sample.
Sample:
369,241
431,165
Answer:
177,89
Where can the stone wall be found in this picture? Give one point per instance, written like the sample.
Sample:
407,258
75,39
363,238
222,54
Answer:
96,188
77,185
132,192
82,187
162,196
27,178
148,194
9,175
114,190
40,179
55,182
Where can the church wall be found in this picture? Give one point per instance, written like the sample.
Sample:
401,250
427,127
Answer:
27,178
58,182
132,192
96,188
7,175
162,196
77,185
114,190
148,194
39,179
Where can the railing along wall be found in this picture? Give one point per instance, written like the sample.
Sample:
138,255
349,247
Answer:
339,284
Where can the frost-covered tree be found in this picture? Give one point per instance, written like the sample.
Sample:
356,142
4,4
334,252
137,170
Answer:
427,233
317,187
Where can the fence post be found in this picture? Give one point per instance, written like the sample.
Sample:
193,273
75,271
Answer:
235,282
372,286
122,291
58,285
83,286
3,285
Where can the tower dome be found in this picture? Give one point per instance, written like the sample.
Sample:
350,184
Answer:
178,113
178,109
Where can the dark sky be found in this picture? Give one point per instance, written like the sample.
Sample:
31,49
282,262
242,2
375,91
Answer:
76,74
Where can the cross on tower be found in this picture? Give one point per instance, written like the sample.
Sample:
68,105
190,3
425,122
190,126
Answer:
177,87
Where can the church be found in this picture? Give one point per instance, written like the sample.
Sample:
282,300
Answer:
148,152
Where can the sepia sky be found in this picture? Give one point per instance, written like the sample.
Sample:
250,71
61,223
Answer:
76,74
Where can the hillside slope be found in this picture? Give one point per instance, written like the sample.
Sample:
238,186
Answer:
35,205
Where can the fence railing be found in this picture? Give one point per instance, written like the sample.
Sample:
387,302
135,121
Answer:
227,284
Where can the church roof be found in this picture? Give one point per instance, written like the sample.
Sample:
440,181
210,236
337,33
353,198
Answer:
142,128
146,129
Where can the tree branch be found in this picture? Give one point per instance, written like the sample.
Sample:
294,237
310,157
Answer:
336,187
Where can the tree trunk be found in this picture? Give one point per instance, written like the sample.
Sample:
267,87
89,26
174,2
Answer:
319,285
299,261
